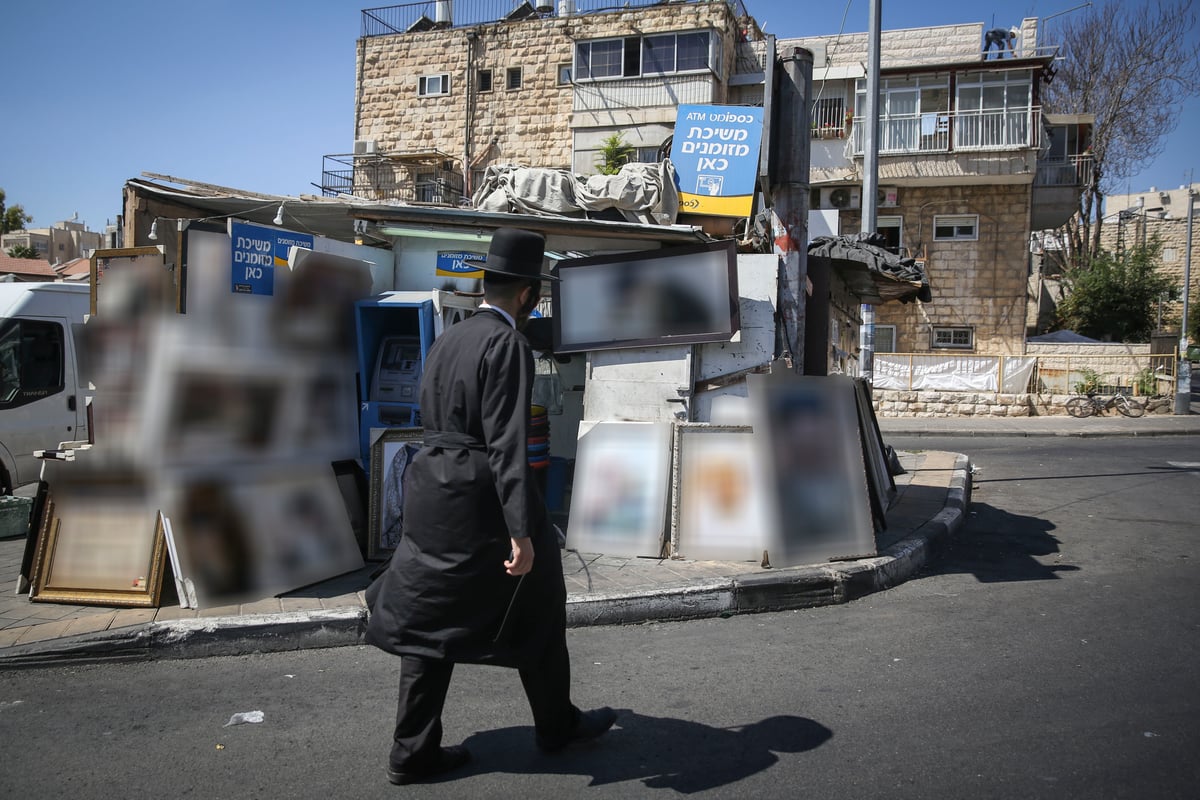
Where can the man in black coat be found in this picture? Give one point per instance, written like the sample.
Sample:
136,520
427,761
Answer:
464,584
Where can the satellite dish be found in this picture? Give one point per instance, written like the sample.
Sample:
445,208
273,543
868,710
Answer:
840,198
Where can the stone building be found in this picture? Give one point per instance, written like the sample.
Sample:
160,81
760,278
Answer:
61,242
438,100
1135,218
969,165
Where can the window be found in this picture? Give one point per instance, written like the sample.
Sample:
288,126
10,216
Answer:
892,229
634,56
512,78
885,338
483,79
993,110
960,338
913,114
828,118
644,155
564,74
948,229
31,361
433,85
1169,255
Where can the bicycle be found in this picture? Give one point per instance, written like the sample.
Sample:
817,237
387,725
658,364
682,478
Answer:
1085,405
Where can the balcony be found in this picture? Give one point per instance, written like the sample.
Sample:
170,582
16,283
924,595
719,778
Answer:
1057,186
406,177
1073,171
971,130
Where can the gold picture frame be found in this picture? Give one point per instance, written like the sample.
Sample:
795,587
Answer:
69,563
387,489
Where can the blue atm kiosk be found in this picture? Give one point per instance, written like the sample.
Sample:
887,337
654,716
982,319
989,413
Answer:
395,332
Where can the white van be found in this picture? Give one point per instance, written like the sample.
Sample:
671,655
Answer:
41,393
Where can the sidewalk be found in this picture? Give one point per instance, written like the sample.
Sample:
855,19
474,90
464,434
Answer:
1111,425
602,590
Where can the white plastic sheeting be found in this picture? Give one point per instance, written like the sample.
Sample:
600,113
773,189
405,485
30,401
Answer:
953,373
644,193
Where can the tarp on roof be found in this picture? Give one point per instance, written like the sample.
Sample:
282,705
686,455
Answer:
644,193
872,272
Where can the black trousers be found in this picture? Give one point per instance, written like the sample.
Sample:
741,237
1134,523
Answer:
424,683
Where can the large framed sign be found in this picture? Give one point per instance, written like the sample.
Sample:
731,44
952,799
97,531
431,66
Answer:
679,295
715,153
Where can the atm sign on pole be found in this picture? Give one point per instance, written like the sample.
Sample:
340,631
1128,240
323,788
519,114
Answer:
256,251
715,153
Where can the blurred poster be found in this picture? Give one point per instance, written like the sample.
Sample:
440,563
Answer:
681,295
722,494
619,499
807,432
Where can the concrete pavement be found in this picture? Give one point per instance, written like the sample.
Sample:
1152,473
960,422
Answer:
602,590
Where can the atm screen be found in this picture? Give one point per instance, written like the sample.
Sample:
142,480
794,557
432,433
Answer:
397,370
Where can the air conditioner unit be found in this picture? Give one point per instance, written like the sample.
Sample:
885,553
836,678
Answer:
889,197
365,147
841,197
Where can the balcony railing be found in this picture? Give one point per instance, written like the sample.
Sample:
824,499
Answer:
1069,171
947,131
433,14
421,178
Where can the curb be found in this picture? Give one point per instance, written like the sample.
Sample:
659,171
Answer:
777,590
1027,434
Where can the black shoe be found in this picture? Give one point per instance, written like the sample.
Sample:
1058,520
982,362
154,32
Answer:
449,758
591,725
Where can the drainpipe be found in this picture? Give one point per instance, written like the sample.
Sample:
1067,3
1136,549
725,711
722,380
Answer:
469,127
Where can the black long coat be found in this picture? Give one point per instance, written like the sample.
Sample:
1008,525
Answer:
446,594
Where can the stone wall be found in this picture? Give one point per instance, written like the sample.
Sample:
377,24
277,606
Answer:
979,284
534,125
984,404
904,46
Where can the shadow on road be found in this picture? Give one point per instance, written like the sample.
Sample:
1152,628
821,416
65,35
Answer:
998,546
661,752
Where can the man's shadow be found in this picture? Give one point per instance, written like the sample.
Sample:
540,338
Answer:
661,752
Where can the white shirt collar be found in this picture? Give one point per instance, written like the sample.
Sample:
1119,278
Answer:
502,313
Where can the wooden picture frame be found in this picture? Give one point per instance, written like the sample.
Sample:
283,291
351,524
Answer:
385,521
719,498
67,567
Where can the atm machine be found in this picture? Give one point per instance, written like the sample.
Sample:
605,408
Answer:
395,331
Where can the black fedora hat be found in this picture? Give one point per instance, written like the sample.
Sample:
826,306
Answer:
517,254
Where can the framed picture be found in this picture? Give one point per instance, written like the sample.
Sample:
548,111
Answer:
391,453
619,499
134,284
99,544
719,498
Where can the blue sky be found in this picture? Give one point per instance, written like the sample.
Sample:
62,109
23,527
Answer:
252,93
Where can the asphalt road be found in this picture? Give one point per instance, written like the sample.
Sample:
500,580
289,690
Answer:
1050,653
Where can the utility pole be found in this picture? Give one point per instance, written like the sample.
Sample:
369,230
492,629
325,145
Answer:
1183,376
870,190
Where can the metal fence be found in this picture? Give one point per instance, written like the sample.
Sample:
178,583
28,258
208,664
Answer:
1132,374
431,14
381,178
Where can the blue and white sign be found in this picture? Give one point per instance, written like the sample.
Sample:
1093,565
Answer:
454,264
715,153
256,252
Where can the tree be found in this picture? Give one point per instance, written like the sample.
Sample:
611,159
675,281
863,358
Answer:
21,251
1114,297
12,218
614,153
1131,64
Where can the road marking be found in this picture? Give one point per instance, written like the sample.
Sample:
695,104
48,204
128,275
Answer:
1185,464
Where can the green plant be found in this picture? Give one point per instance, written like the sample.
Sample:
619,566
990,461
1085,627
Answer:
614,153
1090,381
1146,382
1114,296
